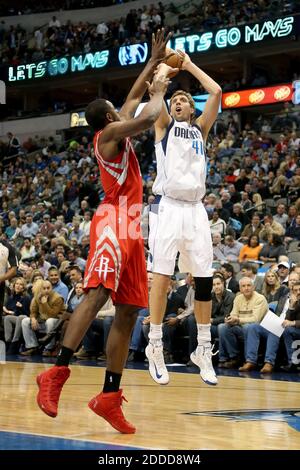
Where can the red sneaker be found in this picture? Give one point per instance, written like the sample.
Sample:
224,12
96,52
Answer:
50,385
108,406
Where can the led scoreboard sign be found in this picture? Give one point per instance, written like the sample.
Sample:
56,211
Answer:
238,35
138,53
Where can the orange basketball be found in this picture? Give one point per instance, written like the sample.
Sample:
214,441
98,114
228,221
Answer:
173,61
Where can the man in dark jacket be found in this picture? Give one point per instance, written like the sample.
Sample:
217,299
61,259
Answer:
230,282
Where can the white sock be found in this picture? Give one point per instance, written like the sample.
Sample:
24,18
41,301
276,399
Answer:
204,335
155,334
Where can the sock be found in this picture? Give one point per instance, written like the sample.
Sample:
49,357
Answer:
64,356
155,334
112,382
204,335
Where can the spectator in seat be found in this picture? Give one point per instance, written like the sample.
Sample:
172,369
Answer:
272,290
250,270
283,272
27,251
75,276
232,249
57,285
251,251
230,282
281,216
15,309
270,227
293,231
30,228
45,310
217,225
218,247
252,229
248,307
77,298
271,251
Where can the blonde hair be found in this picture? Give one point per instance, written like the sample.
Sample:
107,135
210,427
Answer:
37,288
256,198
267,289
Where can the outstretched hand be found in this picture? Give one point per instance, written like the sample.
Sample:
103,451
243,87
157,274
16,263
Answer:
159,84
159,43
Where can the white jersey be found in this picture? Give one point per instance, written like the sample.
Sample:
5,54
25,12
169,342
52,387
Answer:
181,163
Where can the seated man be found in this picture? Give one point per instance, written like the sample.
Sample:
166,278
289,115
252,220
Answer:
46,308
248,307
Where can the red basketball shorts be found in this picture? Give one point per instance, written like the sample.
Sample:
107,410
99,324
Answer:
117,259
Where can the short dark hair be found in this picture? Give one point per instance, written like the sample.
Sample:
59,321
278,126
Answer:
75,267
53,268
249,267
95,113
228,267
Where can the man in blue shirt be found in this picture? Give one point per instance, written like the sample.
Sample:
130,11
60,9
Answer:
57,285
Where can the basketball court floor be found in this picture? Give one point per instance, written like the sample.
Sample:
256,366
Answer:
245,411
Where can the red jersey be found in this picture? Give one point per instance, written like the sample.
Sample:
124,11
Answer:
116,257
120,177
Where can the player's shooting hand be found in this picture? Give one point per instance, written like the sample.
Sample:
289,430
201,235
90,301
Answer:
165,70
159,42
185,59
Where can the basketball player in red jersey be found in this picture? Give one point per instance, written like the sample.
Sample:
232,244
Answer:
116,262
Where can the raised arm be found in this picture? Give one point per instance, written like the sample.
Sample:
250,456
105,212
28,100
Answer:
136,93
116,131
210,112
164,119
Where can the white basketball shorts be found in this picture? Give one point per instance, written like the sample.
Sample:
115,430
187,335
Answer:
178,226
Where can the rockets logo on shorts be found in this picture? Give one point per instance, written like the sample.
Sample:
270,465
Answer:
106,260
104,267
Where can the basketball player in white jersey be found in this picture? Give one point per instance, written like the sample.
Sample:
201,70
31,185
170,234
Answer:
178,219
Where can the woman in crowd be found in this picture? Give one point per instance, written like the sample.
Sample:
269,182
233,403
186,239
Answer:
271,250
251,251
15,310
272,290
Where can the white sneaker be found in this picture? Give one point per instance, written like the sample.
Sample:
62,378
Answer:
202,358
157,367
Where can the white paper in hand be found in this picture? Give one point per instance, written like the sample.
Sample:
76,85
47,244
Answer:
272,323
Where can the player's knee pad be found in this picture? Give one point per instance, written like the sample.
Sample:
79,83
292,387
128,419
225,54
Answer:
203,288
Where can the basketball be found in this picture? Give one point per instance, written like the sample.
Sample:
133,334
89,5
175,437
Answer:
173,61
